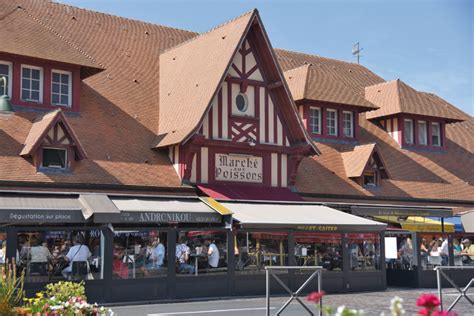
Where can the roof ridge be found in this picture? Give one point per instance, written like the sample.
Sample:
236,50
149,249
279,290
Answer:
118,16
74,46
323,57
199,35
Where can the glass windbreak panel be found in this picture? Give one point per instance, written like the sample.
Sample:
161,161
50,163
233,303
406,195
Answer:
53,255
3,247
201,252
139,254
255,250
364,252
463,249
399,252
312,249
434,251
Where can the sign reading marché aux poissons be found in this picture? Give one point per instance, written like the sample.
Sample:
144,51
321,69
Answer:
239,168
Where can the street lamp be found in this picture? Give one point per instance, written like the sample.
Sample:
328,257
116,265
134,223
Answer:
5,104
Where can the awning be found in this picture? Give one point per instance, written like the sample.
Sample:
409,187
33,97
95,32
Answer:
40,208
418,224
467,220
400,210
100,207
299,216
455,220
165,210
248,192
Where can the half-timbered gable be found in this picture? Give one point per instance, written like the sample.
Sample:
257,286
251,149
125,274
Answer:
250,131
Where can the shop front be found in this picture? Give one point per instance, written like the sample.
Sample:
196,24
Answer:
137,248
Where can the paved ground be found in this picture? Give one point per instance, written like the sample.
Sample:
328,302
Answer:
371,302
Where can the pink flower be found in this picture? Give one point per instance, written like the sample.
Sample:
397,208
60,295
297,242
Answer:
315,296
427,300
424,312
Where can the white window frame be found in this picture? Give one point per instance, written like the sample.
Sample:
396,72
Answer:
41,84
69,98
405,134
10,77
351,135
313,108
66,162
439,134
335,122
420,123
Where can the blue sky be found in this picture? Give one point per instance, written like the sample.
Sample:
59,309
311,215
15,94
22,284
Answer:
429,44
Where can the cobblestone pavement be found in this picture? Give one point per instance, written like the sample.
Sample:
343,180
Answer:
373,303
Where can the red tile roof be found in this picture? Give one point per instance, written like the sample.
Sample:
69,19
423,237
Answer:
314,82
395,97
190,76
120,118
23,34
356,159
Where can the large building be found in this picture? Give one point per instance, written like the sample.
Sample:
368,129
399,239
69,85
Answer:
180,157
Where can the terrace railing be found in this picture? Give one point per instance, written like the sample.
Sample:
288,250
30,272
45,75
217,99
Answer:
462,291
269,271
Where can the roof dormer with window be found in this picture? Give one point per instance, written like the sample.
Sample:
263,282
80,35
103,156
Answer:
46,73
415,120
328,108
52,144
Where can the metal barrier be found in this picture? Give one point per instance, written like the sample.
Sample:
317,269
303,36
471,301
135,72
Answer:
463,292
293,295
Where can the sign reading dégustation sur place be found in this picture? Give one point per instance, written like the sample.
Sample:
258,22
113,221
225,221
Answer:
239,168
41,216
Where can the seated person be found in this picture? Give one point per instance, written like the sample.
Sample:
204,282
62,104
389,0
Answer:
39,257
77,253
182,257
156,256
468,252
119,268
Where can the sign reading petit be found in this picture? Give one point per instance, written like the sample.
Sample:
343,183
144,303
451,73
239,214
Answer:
239,168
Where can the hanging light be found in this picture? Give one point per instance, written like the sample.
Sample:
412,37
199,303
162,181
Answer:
5,104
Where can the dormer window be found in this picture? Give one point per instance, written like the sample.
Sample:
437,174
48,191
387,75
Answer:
331,122
6,71
348,124
54,158
31,84
422,133
61,88
435,134
408,131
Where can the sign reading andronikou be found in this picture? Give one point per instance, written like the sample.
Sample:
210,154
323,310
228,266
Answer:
169,217
238,168
41,216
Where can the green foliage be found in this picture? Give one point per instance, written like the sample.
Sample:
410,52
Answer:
11,288
62,291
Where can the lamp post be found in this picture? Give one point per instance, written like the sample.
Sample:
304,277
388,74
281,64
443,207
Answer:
5,105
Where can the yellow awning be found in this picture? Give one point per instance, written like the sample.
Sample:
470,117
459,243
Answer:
418,224
216,206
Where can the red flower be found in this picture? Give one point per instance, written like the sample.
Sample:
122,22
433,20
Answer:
424,312
315,296
427,300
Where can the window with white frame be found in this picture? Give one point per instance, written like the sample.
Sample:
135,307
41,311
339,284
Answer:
348,127
32,83
331,122
408,131
315,120
422,133
435,134
6,71
61,88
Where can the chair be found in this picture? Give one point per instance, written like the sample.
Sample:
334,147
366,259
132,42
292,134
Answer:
458,261
435,260
37,270
79,270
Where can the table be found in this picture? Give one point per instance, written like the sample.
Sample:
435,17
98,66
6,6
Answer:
196,261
